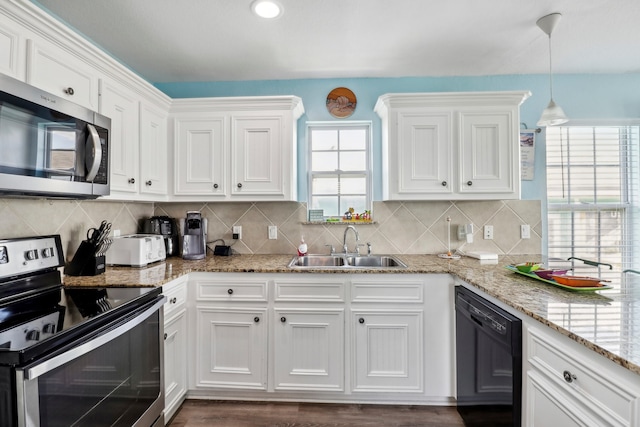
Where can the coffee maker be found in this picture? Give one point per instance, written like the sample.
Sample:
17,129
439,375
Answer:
168,228
194,236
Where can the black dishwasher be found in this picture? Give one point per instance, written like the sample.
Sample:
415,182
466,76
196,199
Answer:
488,362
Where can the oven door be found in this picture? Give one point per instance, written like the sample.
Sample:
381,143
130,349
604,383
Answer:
114,378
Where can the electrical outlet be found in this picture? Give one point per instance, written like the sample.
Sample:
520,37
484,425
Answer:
273,232
525,231
488,232
237,232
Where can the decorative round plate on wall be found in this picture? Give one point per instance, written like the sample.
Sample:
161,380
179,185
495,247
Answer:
341,102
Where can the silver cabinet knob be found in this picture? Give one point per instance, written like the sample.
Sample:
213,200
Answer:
469,183
215,185
239,185
444,183
69,91
148,183
132,181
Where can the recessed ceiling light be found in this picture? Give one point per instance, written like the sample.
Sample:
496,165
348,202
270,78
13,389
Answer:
268,9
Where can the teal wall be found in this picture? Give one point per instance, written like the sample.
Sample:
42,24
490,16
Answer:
599,96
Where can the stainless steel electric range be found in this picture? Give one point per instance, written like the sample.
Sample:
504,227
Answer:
79,356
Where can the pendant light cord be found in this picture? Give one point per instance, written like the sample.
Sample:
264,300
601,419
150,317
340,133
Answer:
550,69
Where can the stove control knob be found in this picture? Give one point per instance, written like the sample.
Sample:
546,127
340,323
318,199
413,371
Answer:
30,255
49,328
47,252
33,335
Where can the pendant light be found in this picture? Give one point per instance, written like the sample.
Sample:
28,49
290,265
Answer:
553,114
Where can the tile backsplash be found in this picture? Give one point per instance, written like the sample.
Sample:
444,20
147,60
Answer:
69,218
397,228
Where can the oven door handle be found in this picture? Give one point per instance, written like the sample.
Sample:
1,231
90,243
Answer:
66,357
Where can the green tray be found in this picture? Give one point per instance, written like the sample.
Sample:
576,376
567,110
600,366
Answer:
554,283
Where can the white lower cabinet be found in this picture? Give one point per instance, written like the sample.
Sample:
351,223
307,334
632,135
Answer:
175,345
567,384
387,352
231,348
333,337
308,349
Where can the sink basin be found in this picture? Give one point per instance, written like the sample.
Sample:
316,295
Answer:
317,261
343,262
383,261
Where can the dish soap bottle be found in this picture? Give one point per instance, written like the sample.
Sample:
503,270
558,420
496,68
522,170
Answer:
302,248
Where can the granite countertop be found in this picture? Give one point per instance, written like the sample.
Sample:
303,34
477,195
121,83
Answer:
603,321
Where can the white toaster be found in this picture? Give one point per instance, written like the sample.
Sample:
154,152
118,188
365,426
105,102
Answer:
136,250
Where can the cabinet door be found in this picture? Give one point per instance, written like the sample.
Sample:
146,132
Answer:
52,69
547,405
153,151
387,354
175,362
424,155
231,348
309,349
11,51
489,152
200,156
121,106
257,156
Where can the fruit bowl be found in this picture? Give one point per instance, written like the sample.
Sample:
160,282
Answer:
546,274
528,267
577,281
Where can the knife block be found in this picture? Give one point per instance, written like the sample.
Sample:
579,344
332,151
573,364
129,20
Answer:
85,262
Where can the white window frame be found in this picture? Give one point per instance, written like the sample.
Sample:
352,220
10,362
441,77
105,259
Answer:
369,157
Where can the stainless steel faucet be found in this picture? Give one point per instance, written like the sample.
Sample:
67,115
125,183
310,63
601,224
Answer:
344,241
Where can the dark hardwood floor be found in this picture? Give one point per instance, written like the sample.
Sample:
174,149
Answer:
199,413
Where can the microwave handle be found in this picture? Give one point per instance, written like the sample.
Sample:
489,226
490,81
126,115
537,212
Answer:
61,359
93,153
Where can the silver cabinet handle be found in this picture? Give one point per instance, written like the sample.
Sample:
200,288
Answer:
149,183
444,183
131,181
215,185
239,185
69,91
469,183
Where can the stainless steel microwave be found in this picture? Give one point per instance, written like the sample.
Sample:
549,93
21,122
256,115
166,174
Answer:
50,147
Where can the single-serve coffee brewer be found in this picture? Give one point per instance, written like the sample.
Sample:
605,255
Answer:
194,236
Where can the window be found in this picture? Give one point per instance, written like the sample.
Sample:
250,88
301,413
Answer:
593,194
340,167
592,202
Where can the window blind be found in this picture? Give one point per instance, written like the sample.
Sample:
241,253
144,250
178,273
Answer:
593,195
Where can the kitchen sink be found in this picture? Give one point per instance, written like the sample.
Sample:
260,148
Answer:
345,262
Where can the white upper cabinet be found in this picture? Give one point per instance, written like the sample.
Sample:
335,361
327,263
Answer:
59,72
258,152
153,150
200,154
451,146
122,107
235,148
12,50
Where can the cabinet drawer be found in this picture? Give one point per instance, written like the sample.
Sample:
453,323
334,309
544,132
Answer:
391,291
231,290
176,293
310,290
606,394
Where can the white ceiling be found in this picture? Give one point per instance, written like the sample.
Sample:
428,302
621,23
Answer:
221,40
